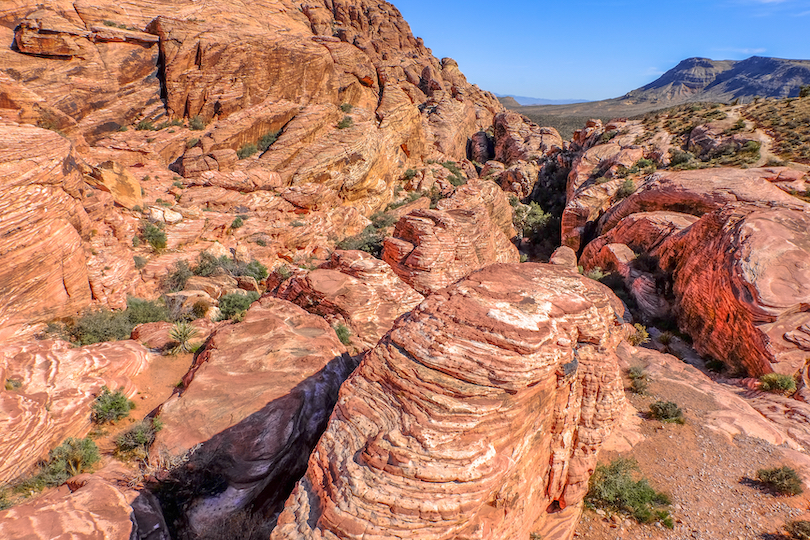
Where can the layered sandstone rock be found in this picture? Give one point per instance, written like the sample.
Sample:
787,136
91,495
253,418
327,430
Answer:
88,508
476,417
57,236
354,289
741,281
52,389
431,249
256,399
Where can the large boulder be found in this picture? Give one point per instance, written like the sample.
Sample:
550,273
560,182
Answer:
431,249
480,415
255,401
355,289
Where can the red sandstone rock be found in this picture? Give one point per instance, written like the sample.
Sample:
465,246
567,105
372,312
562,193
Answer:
431,249
517,139
57,387
439,433
354,289
92,509
740,279
257,399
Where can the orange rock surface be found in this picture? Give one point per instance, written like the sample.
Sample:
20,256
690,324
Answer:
472,417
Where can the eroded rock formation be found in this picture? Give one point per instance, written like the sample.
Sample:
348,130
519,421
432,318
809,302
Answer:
476,417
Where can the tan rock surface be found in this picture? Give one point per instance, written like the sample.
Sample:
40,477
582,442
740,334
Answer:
257,399
57,385
431,249
91,509
439,433
354,289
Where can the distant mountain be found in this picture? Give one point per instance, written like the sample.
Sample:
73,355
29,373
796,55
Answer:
525,101
696,79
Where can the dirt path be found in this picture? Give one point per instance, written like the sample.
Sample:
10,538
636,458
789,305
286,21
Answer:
709,477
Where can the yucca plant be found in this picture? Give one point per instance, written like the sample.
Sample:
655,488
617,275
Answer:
182,333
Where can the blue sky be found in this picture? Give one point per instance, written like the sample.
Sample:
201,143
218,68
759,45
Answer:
600,49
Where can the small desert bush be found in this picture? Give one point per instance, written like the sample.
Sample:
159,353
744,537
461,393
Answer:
343,333
638,379
346,107
800,530
182,333
409,174
777,383
627,188
641,336
96,326
154,235
135,442
346,122
246,150
232,305
237,223
596,273
176,279
12,384
111,406
667,411
783,480
267,140
139,261
72,457
614,487
530,220
197,123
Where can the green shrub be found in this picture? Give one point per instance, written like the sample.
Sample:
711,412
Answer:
13,385
596,273
246,150
182,333
641,335
638,379
191,143
176,279
99,326
72,457
782,480
678,157
255,269
804,91
234,304
145,311
346,107
283,272
237,223
626,189
135,442
346,122
613,487
155,236
608,135
530,220
111,406
200,308
777,383
5,503
145,125
139,261
343,333
800,530
667,411
409,174
197,123
370,241
268,139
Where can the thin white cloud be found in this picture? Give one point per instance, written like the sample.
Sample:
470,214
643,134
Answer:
758,50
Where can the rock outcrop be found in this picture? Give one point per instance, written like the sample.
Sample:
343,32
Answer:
356,290
256,400
478,416
741,279
431,249
49,390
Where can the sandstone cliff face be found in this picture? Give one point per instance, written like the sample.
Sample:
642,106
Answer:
55,387
472,417
257,399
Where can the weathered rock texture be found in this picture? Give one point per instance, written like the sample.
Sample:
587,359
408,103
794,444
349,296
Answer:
257,398
88,508
55,387
480,409
741,278
356,290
